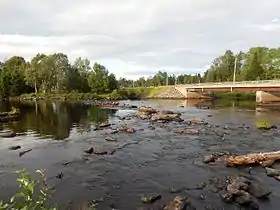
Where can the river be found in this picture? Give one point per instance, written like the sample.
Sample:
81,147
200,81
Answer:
156,161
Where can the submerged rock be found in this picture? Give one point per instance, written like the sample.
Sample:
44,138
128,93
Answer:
104,125
113,132
10,134
188,131
166,117
24,152
197,121
214,157
110,139
272,172
59,176
151,198
127,129
130,130
244,192
89,150
209,159
100,152
259,191
14,147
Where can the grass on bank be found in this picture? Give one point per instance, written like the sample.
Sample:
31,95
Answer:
120,94
129,93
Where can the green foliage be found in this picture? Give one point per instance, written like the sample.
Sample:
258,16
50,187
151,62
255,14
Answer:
14,111
259,63
234,95
100,81
263,124
55,74
27,199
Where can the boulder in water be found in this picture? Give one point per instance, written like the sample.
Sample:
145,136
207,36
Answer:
10,134
179,203
151,198
14,147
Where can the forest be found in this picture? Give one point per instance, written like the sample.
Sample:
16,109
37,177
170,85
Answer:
54,73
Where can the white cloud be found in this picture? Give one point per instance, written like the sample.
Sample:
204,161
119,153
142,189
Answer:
138,37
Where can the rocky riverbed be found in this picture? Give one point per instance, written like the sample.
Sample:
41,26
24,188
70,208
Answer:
157,156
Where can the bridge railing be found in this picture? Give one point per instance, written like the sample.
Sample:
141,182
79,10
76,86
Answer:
230,83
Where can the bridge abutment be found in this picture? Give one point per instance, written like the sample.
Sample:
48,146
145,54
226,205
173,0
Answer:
267,97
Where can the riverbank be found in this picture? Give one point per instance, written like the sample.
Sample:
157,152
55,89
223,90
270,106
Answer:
120,94
136,93
234,95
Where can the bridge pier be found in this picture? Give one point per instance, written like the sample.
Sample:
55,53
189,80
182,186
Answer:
267,97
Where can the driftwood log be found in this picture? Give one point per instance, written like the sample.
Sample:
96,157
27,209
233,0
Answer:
253,158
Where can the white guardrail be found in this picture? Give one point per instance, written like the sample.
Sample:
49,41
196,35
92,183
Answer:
239,83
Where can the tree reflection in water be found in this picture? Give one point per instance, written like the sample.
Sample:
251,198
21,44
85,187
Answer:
55,119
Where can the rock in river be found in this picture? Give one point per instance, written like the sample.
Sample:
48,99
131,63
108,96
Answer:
10,134
151,198
209,159
127,129
24,152
100,152
104,125
130,130
244,192
272,172
188,132
179,203
268,163
197,121
108,138
89,150
14,147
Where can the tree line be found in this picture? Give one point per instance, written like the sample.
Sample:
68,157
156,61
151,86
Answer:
55,73
259,63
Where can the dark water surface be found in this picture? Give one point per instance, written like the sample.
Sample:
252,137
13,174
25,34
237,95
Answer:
155,160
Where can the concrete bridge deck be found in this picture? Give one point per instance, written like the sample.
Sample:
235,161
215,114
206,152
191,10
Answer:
254,85
264,89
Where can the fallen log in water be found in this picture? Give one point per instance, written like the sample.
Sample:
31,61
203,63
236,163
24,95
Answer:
253,158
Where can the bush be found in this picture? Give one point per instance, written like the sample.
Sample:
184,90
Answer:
14,111
26,199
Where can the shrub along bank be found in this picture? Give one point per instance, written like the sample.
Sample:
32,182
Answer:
119,94
136,93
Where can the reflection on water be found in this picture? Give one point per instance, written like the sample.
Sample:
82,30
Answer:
55,119
221,103
152,160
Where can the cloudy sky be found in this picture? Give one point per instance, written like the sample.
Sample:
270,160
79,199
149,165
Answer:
135,38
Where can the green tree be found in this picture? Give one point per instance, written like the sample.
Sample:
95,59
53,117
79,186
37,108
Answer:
12,77
47,74
112,82
255,70
83,67
61,68
98,79
32,72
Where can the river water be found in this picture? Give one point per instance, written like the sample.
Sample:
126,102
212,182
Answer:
155,160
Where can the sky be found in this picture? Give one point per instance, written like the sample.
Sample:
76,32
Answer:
135,38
